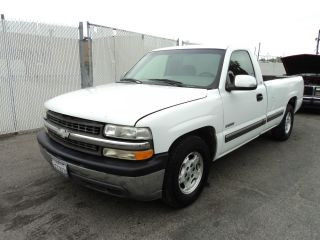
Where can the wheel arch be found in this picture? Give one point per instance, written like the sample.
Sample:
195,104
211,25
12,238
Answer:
293,102
207,133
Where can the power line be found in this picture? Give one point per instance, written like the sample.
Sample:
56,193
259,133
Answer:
318,39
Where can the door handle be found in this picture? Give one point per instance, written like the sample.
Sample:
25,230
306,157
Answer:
259,97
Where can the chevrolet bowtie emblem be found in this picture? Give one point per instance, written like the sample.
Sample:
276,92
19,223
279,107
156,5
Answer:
63,133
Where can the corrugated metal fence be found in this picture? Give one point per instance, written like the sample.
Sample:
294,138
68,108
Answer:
114,51
39,61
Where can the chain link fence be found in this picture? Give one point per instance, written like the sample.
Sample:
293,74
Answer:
188,43
115,51
37,62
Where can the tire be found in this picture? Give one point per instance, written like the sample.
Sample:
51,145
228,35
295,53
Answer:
283,131
186,172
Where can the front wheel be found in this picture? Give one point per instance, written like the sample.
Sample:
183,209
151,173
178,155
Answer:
283,131
187,172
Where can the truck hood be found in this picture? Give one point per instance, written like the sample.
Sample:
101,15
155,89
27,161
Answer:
121,103
300,64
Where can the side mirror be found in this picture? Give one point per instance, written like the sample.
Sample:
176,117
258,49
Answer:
243,82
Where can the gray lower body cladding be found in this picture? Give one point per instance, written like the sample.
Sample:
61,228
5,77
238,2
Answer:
122,178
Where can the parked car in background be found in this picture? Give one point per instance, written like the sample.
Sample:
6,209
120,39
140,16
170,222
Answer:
153,134
307,66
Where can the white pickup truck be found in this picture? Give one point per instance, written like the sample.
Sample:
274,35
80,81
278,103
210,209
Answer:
153,134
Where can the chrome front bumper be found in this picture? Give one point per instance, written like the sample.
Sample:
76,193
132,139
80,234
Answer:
311,102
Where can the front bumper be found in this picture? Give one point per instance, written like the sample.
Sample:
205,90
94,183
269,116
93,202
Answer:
311,102
141,180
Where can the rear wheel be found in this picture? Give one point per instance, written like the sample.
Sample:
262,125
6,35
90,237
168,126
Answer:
187,172
283,131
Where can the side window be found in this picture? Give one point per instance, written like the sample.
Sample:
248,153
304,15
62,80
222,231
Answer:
240,63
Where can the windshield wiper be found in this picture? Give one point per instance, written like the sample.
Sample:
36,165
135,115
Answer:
130,80
167,81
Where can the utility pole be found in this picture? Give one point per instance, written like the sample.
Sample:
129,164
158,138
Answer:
259,51
318,40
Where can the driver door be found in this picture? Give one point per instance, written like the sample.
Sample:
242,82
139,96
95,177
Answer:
244,110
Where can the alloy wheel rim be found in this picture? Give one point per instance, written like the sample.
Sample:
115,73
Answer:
191,172
288,123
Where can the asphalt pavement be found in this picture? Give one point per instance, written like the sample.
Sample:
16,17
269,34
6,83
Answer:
264,190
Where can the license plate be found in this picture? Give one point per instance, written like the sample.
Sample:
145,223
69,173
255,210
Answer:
60,166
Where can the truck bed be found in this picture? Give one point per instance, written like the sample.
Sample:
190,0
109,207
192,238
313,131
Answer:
272,77
279,90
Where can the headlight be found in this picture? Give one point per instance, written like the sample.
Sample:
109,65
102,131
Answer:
124,132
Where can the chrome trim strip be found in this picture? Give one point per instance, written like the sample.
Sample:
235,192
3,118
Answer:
51,126
98,141
312,97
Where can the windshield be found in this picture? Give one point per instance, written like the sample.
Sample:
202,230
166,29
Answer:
182,67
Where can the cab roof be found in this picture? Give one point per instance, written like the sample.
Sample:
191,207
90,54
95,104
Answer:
190,47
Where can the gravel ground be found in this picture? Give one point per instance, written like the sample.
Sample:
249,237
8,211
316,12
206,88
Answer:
264,190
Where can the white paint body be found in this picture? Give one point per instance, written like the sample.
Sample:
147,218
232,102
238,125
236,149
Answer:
170,112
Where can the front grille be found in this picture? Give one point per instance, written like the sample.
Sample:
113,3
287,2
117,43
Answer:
308,91
80,146
312,80
75,124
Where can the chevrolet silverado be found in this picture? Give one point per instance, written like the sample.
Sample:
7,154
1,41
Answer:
152,134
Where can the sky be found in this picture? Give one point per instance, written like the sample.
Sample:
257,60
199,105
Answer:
282,27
